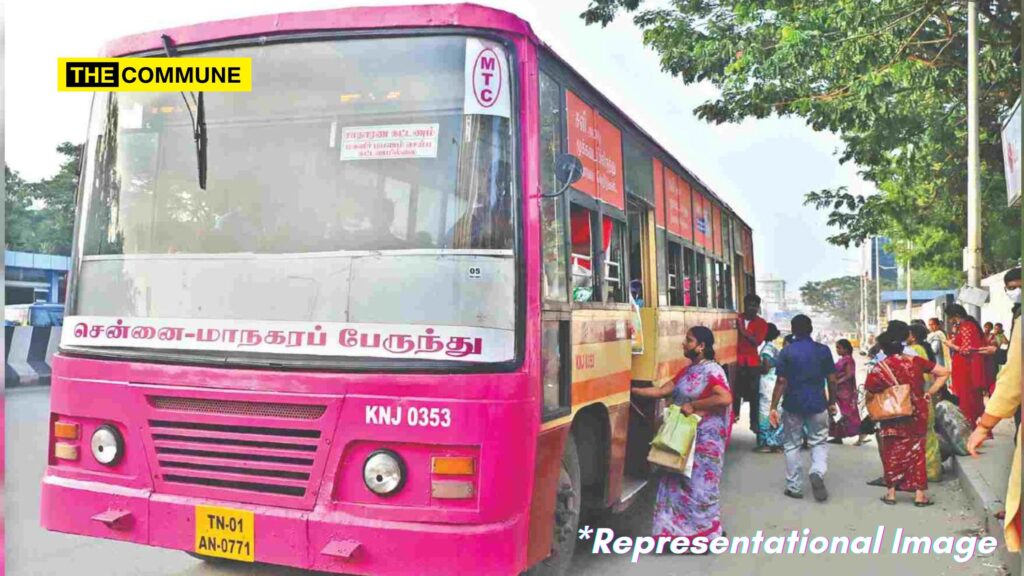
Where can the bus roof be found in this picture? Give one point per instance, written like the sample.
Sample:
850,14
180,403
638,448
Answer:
411,16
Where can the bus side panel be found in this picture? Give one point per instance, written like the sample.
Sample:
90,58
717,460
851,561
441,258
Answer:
672,327
602,363
550,444
619,427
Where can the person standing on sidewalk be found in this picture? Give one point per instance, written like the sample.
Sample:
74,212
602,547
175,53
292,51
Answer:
969,375
770,438
935,339
846,396
802,369
902,440
751,331
1005,401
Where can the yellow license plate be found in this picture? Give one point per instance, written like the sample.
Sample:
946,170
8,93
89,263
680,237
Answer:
225,533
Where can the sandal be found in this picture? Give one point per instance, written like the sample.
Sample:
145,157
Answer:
891,502
924,504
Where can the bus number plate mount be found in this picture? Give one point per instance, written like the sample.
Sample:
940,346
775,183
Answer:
225,533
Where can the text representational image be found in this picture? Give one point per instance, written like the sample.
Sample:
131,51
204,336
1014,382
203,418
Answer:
590,287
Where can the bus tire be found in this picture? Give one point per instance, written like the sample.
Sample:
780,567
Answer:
568,501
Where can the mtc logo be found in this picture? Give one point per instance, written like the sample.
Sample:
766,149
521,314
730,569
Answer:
487,78
91,74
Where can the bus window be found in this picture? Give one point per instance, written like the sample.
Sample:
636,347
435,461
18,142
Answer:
689,282
301,188
552,210
582,254
555,365
727,279
614,260
676,281
700,282
659,236
637,219
719,285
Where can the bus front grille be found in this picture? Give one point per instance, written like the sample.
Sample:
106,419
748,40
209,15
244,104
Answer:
238,407
234,461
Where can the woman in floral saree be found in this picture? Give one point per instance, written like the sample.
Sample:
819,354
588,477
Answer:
690,506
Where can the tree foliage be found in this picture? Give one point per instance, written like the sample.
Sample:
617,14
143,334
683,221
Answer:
41,215
839,298
889,77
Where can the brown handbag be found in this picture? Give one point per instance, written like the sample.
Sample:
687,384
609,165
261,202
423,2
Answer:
891,403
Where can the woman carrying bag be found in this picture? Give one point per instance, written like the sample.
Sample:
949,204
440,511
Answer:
897,378
690,506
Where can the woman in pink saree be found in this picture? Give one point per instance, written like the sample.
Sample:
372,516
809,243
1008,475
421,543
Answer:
848,422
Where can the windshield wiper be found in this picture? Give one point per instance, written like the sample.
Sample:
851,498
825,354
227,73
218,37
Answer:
198,120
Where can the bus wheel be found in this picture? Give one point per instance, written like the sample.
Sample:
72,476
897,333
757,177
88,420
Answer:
567,515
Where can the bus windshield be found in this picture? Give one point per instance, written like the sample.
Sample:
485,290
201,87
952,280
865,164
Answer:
362,183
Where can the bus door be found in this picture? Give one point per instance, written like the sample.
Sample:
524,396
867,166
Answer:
644,299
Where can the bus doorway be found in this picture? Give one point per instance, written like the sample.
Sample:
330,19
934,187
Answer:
643,293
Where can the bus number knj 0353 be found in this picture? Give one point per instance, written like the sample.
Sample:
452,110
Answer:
409,415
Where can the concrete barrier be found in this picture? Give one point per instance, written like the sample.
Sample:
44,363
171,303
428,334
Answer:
28,352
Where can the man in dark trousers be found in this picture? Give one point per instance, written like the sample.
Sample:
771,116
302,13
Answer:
751,330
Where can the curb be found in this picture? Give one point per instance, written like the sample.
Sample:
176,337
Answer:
985,502
28,354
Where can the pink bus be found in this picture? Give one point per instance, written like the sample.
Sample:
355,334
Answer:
381,314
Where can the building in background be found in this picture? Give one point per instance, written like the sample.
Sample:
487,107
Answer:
31,278
894,303
773,298
876,259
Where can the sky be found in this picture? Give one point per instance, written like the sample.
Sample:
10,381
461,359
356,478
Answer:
761,168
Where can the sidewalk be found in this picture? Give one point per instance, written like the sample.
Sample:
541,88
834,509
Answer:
984,479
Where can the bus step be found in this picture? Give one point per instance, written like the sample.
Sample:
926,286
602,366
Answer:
631,488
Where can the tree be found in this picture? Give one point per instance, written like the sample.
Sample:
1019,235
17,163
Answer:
57,196
889,77
839,298
41,215
22,221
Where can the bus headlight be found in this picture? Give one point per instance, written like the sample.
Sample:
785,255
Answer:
107,445
384,472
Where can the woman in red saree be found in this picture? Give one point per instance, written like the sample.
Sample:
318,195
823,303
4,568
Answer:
902,440
970,378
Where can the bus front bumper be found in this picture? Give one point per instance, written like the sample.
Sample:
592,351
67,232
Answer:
322,540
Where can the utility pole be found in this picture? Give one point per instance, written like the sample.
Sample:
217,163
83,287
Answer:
972,255
878,288
863,301
910,295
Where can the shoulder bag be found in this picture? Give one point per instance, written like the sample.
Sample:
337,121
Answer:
891,403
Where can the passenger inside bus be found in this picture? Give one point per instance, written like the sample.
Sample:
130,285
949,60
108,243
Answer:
378,235
583,252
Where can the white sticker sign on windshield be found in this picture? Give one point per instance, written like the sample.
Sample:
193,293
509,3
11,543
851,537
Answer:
487,85
389,142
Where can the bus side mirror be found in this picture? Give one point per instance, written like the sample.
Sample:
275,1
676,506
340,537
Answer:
568,171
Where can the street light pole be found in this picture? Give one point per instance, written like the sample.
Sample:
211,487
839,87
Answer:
878,289
910,295
973,253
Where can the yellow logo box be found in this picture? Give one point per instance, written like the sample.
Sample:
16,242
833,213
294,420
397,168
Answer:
154,74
